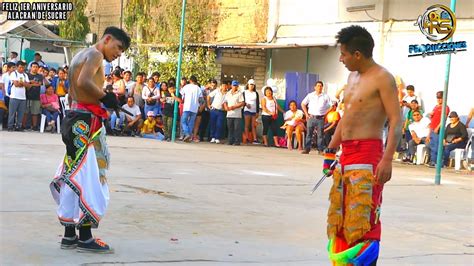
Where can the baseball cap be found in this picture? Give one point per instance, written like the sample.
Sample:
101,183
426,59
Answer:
235,83
150,113
453,114
251,81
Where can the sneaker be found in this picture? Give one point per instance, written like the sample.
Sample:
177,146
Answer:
213,140
431,165
305,152
69,242
236,144
256,142
218,141
94,245
19,129
10,129
187,139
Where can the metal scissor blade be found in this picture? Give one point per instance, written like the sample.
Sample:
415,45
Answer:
318,184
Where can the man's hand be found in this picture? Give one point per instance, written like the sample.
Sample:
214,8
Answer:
383,173
329,158
110,100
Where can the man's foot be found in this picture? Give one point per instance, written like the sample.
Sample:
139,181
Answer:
187,139
19,129
196,140
236,144
69,242
256,142
431,165
94,245
305,152
213,140
229,143
218,141
10,129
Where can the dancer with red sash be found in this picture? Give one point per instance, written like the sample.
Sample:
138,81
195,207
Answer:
354,226
79,186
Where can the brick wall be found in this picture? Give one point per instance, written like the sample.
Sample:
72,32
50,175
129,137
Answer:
246,58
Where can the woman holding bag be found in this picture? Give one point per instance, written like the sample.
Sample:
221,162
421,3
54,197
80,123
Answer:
270,110
50,104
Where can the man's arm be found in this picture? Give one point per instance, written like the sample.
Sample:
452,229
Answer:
469,117
388,95
89,69
336,137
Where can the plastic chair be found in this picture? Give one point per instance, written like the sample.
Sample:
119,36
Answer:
43,122
421,154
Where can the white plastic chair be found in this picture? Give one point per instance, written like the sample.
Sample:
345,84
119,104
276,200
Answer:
43,122
64,104
420,153
458,154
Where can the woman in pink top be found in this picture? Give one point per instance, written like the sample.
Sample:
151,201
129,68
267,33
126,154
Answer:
50,105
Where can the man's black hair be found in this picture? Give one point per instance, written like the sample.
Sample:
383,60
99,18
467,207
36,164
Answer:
20,63
193,79
34,63
356,38
10,64
320,82
414,101
117,73
410,88
128,71
15,53
141,74
292,101
118,34
213,81
38,54
156,73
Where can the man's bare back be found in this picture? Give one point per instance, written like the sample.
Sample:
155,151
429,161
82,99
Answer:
365,111
86,67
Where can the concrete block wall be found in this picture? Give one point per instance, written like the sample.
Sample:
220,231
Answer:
254,58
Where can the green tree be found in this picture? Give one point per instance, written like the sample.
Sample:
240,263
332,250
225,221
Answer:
157,23
77,25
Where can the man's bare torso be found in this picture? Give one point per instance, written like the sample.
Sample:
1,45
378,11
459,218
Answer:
75,69
364,113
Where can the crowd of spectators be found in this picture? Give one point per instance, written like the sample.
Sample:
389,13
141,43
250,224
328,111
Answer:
227,113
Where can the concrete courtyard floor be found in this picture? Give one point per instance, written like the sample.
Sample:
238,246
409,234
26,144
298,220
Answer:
211,204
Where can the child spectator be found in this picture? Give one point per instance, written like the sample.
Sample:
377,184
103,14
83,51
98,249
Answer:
148,129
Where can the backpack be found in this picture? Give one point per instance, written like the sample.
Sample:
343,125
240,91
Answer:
10,84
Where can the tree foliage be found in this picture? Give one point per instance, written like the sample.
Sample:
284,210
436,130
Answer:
158,22
77,25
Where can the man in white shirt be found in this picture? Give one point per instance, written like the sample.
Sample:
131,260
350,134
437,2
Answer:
419,129
129,83
132,123
191,95
13,57
406,101
17,105
315,106
37,60
5,81
215,103
233,104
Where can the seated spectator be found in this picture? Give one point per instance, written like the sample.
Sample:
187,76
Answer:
419,129
148,129
414,106
50,107
294,122
455,136
132,124
159,125
331,121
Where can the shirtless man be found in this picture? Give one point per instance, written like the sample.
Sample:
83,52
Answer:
370,99
79,186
